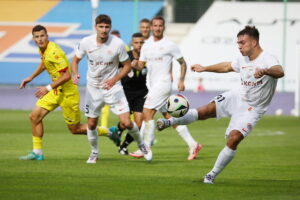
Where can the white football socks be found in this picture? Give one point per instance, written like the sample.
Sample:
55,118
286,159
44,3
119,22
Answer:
224,158
142,129
92,136
189,117
135,133
185,134
149,132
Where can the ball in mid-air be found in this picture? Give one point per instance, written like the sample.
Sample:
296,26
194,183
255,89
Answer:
177,105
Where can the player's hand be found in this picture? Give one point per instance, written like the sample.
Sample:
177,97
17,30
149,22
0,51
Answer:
109,83
181,86
197,68
76,79
24,82
41,91
134,63
259,72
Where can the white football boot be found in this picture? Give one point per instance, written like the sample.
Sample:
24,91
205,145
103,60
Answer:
93,158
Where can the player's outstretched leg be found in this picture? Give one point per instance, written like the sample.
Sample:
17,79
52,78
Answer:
189,117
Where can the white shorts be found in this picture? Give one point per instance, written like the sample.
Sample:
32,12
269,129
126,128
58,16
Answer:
243,116
96,98
157,97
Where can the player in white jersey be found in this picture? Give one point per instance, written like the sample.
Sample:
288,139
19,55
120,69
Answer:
145,28
104,52
157,53
259,72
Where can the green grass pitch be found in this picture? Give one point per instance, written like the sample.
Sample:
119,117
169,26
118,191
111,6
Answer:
267,164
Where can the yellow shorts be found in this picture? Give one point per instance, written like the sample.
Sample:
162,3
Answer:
69,103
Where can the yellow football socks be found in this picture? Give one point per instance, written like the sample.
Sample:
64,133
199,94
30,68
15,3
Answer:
102,131
37,145
104,116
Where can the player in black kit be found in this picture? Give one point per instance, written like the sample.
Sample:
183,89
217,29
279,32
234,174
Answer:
135,88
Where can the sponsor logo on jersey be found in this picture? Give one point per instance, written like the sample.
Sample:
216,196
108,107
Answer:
251,83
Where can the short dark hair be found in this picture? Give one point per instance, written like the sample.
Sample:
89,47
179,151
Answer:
103,19
158,18
37,28
138,34
251,31
145,20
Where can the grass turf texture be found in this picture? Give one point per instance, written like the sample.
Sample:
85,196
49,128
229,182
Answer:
267,164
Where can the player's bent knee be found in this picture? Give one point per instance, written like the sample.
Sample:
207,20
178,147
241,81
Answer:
126,123
92,123
75,129
92,126
235,138
34,117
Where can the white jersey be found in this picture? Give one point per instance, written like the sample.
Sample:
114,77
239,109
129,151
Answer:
103,59
257,92
159,55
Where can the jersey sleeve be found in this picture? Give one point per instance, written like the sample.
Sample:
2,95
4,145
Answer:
175,51
123,56
271,61
235,65
142,55
80,50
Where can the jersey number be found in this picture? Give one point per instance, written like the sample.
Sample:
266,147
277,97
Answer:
220,98
87,110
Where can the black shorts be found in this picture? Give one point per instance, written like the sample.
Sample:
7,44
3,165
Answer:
136,104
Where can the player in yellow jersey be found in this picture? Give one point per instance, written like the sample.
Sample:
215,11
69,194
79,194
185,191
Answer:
61,92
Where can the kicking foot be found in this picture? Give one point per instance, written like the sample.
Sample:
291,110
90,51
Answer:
162,123
194,151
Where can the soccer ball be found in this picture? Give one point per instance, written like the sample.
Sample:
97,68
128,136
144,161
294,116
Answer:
177,105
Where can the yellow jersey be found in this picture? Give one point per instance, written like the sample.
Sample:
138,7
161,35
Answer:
55,61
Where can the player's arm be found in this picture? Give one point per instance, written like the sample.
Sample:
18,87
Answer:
138,65
222,67
74,67
141,62
65,76
275,71
38,70
183,67
109,83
